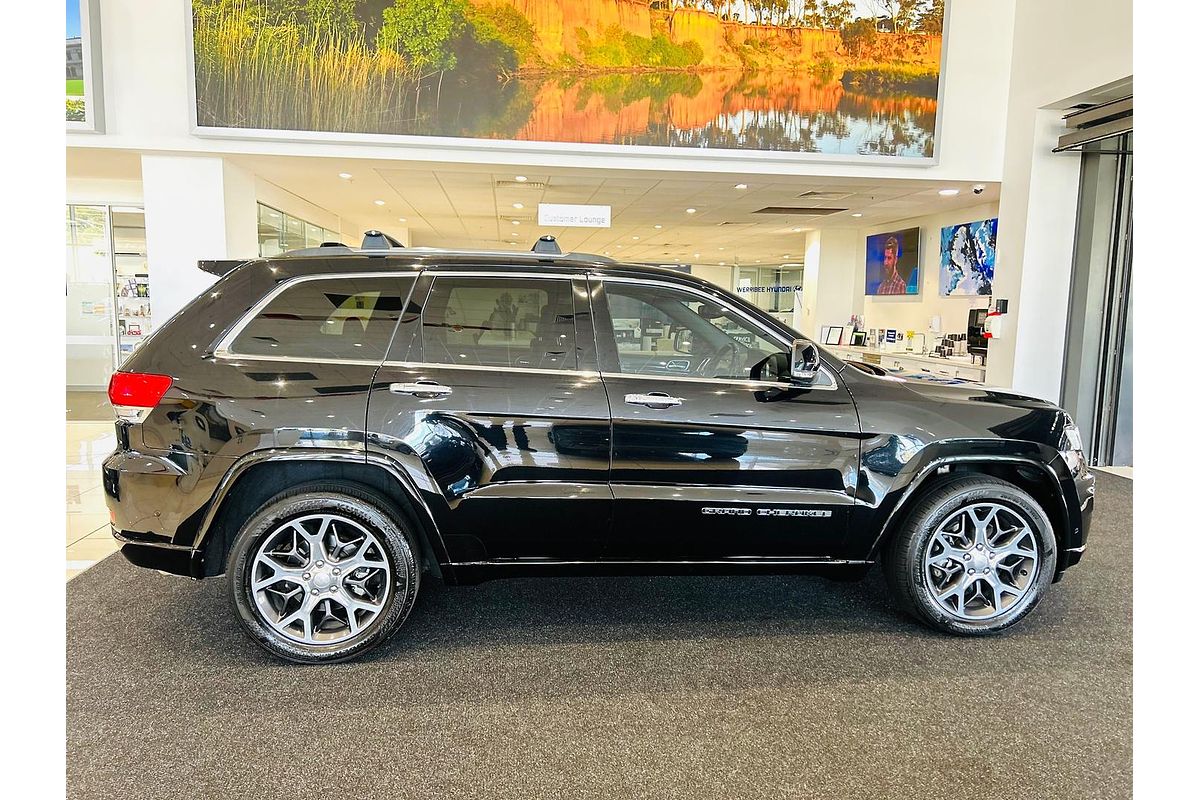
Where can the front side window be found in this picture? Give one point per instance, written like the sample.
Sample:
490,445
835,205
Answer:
327,318
664,331
522,323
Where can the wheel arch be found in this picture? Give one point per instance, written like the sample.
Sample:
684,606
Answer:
257,477
1033,475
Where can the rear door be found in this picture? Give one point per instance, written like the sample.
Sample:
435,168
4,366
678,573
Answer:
708,462
491,383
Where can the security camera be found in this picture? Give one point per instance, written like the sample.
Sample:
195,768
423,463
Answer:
978,188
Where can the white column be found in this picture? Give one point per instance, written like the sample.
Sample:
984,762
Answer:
833,280
1034,251
196,208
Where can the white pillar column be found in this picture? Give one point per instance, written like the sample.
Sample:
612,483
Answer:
197,207
1035,244
833,280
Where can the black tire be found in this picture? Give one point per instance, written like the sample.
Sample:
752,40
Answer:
388,524
904,556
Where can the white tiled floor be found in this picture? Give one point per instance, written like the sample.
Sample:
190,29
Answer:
1124,472
88,537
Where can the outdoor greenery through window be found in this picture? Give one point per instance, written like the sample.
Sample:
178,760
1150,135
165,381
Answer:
279,232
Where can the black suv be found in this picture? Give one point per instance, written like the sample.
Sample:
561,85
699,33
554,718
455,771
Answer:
333,426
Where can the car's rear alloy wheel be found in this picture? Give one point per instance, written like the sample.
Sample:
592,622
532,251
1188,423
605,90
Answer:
973,556
323,572
320,579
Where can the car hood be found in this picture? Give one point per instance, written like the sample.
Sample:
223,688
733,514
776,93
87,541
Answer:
927,412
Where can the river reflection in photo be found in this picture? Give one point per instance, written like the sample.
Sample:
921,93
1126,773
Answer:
714,109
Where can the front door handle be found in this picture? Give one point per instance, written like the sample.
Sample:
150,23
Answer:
653,400
422,389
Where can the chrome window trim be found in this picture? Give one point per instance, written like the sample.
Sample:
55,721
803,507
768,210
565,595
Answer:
500,274
786,345
222,349
575,373
748,384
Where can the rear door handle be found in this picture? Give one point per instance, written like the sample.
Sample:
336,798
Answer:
423,389
653,400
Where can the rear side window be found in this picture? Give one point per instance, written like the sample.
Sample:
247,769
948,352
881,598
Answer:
522,323
335,318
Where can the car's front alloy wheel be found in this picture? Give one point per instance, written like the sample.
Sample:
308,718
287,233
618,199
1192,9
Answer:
974,556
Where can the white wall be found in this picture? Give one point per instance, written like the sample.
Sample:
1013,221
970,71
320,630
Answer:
833,281
196,208
147,107
1061,49
913,313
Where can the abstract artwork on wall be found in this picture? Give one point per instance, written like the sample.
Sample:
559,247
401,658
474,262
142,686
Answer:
968,259
894,262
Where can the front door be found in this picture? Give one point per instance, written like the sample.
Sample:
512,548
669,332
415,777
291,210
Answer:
491,384
709,463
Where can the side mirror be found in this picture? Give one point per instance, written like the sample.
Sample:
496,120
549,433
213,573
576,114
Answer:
683,341
806,360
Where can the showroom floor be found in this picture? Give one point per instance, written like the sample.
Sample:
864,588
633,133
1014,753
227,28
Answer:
88,536
732,687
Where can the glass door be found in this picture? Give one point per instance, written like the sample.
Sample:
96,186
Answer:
107,290
91,316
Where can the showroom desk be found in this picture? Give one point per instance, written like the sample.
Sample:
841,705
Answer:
954,367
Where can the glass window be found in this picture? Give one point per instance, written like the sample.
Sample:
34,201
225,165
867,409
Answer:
339,318
270,231
279,232
500,322
664,331
770,288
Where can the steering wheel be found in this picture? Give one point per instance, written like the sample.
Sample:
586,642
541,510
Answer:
710,366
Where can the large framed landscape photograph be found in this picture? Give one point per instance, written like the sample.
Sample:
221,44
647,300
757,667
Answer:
834,78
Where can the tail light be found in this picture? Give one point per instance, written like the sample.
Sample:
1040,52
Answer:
133,394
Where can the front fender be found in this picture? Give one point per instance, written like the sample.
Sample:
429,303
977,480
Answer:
888,485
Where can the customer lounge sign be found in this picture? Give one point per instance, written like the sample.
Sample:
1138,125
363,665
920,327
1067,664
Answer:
566,215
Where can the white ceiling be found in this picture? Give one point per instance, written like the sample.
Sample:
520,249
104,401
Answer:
457,205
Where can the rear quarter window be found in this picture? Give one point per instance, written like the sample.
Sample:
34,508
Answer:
341,318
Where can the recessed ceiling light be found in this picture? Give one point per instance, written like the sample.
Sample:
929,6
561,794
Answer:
785,255
380,202
740,186
690,210
658,227
947,192
797,230
720,263
695,255
345,176
636,238
607,252
758,261
518,205
521,179
856,214
720,248
516,222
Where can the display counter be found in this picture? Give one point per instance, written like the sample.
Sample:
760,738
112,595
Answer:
959,367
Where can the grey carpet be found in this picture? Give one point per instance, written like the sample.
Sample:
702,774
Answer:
624,687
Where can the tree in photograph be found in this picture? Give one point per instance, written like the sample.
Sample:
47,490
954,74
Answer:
929,20
422,32
810,14
860,36
836,13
